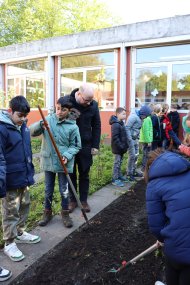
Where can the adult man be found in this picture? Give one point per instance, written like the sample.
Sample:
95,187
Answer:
90,129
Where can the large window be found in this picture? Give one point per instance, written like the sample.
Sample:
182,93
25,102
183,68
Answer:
162,75
28,79
96,68
151,85
181,85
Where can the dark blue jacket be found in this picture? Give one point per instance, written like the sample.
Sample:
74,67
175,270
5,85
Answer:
119,141
168,205
2,174
16,148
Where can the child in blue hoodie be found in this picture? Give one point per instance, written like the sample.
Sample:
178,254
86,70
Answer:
168,209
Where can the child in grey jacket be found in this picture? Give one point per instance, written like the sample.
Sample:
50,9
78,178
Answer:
133,126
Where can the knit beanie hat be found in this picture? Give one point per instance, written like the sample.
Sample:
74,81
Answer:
145,111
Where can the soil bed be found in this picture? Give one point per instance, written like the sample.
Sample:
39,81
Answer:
118,233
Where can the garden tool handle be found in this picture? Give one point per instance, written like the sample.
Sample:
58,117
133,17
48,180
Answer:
62,163
139,256
147,251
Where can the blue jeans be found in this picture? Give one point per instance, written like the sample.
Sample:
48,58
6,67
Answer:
117,166
49,189
133,153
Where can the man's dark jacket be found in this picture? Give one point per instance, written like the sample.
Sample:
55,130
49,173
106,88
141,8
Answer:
89,127
88,122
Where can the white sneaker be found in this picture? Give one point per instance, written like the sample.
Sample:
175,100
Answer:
27,238
159,283
12,251
5,274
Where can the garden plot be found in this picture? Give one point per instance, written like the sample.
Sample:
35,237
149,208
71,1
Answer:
118,233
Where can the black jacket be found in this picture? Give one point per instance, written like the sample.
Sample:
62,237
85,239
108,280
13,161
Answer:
175,120
88,122
119,141
157,128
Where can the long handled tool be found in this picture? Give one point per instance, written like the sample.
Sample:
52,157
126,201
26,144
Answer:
136,258
63,165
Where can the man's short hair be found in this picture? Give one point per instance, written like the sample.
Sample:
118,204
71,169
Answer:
19,104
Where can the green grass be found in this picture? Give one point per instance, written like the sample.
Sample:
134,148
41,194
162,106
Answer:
100,175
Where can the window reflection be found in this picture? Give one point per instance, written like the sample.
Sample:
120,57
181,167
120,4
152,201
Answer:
105,58
28,79
164,53
181,86
70,81
97,69
151,85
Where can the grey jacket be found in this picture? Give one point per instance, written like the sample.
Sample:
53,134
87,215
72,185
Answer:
133,126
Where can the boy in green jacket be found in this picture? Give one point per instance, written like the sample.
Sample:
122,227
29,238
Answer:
146,136
67,138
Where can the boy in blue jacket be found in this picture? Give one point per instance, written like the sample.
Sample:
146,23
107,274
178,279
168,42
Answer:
119,144
4,273
16,150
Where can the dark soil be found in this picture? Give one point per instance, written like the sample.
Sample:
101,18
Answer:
118,233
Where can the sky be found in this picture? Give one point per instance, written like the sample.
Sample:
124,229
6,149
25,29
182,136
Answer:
132,11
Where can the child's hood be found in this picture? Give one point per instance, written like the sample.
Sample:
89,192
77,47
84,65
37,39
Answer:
114,119
168,164
5,118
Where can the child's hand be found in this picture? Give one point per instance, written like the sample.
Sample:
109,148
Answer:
64,160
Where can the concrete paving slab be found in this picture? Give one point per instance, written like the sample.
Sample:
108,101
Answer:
55,232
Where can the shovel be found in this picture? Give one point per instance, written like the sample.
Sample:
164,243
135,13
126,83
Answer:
136,258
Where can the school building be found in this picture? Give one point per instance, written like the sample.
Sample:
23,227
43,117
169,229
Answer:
129,65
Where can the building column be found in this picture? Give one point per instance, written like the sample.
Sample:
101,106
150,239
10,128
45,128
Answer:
50,82
123,67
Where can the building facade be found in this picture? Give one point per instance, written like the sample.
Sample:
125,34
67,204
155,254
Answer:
129,65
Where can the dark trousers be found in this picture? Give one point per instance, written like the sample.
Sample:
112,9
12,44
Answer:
177,274
49,189
80,175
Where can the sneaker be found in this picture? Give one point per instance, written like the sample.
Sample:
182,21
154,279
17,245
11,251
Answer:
72,206
12,251
131,178
27,238
123,179
86,207
4,274
159,283
118,183
138,174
